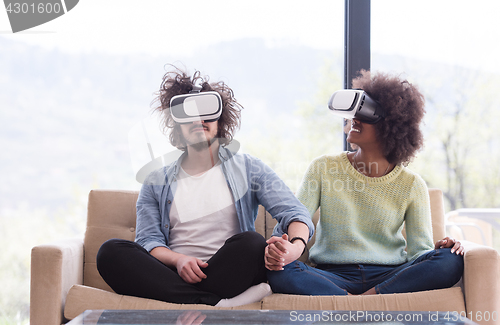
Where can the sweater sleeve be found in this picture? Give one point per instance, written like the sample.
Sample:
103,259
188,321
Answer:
309,192
418,220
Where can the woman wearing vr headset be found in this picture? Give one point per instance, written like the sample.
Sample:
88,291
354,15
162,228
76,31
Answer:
366,197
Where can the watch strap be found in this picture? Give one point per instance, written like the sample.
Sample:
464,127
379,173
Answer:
302,240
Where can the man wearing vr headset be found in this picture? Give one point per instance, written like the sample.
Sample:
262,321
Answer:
365,198
195,240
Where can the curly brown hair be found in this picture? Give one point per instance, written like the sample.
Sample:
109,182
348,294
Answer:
177,82
399,132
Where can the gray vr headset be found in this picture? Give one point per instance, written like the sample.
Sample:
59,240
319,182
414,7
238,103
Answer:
196,106
355,103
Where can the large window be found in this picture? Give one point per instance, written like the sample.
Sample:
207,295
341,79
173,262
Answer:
445,48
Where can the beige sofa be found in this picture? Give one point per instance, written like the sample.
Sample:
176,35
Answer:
65,281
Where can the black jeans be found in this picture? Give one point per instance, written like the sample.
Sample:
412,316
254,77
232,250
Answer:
130,270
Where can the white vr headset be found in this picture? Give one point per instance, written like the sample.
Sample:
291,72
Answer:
355,103
196,106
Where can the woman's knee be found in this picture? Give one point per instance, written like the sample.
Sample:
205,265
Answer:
280,281
449,265
452,262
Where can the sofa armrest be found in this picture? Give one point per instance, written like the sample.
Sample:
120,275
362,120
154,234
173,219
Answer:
481,282
54,269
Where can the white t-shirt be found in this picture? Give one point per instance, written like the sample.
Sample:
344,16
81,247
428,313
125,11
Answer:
202,215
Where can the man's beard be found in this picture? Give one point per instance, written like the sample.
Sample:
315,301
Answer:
202,145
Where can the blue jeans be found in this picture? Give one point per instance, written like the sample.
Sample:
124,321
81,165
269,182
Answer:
435,269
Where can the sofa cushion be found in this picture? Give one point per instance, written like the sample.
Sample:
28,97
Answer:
81,298
450,299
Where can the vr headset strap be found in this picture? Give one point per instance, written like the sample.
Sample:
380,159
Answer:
195,90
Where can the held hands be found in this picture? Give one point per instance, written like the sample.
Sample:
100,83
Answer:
280,252
447,242
189,268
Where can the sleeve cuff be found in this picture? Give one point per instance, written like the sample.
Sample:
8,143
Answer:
149,246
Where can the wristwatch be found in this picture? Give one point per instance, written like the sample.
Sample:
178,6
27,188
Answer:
302,240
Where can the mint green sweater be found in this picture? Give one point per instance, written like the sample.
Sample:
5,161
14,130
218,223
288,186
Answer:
361,218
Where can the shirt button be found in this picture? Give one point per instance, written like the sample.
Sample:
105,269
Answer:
166,226
168,202
132,229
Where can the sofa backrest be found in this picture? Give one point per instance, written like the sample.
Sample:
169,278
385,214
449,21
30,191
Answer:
112,214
